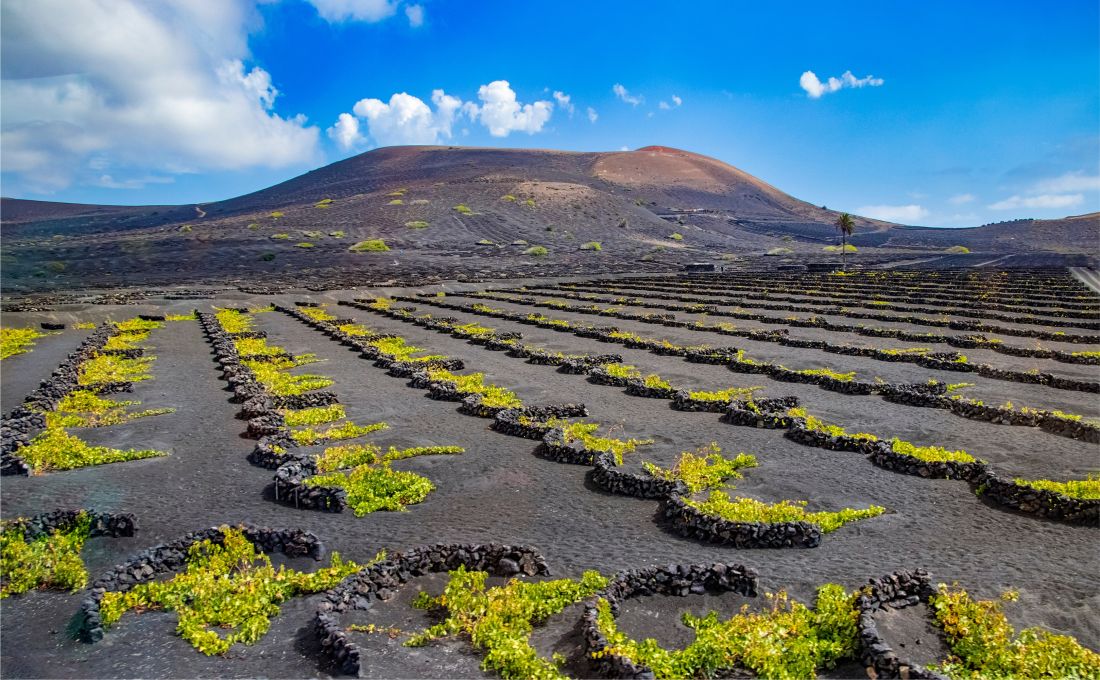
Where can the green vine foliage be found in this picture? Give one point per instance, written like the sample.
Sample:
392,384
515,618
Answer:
346,430
741,509
985,645
18,340
84,408
317,415
55,449
371,483
49,561
499,620
1084,489
231,588
704,469
785,640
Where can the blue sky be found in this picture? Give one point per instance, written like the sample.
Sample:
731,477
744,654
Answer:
953,114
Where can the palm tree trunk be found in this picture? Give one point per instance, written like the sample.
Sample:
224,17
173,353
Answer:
843,252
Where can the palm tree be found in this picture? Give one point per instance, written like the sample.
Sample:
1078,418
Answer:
845,225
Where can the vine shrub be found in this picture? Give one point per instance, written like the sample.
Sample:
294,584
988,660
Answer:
931,454
1084,489
374,245
83,408
316,415
726,395
49,561
500,620
741,509
984,644
230,587
17,340
373,485
474,383
346,430
785,640
705,469
55,449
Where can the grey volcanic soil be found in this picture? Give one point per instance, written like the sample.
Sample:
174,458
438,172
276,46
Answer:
500,490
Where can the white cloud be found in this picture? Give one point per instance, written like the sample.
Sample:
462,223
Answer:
905,214
407,119
815,88
623,148
502,113
109,182
564,101
1039,201
592,115
415,13
624,94
140,87
334,11
960,199
345,132
1071,181
665,106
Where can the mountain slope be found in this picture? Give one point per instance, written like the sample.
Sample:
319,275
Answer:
447,211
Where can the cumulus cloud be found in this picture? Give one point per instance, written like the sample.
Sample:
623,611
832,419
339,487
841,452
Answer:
1039,201
406,119
815,88
624,94
345,132
592,115
565,102
335,11
905,214
502,114
960,199
127,83
415,14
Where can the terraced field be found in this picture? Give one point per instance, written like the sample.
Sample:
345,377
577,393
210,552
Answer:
886,474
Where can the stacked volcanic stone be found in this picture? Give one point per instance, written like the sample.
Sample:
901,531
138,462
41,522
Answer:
508,422
51,326
260,409
683,401
291,489
16,433
798,432
608,477
883,455
380,582
716,355
764,413
113,525
638,388
895,591
690,522
27,420
1039,502
600,376
555,447
172,557
676,580
473,405
585,364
